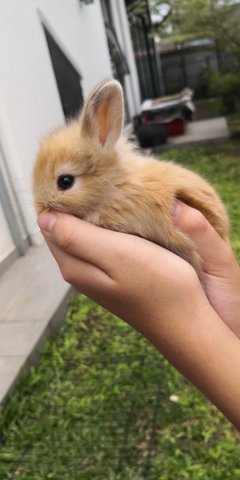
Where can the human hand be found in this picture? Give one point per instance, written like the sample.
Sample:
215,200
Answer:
221,271
126,274
159,294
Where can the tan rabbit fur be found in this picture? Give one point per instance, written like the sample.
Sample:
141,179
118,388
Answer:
114,185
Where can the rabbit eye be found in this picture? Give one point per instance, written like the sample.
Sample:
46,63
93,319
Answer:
64,182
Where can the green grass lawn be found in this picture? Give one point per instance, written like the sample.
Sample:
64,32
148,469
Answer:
234,123
100,406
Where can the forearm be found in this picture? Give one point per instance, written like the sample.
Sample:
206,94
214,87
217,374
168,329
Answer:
192,336
207,353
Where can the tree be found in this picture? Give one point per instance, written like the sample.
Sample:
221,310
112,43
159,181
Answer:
201,19
158,10
184,20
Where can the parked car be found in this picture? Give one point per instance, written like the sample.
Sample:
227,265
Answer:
163,117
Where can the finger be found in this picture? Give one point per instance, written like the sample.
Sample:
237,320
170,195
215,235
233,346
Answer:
110,251
83,276
81,239
214,251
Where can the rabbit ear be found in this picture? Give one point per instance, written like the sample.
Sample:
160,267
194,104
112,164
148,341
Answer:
102,116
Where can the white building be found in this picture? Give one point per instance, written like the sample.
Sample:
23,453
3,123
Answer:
52,52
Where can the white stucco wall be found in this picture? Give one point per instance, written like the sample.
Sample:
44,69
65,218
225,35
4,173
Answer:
121,26
29,99
6,242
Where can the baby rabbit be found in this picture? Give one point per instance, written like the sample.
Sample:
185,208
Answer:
88,169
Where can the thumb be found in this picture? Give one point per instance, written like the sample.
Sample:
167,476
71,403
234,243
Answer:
214,251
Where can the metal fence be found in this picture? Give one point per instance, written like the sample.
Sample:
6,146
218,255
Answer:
186,67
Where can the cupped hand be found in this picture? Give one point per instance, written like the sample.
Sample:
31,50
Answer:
128,275
94,260
221,271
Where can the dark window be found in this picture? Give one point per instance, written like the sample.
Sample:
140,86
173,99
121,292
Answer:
144,48
119,62
67,78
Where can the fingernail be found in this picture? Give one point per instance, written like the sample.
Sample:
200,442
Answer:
46,221
176,208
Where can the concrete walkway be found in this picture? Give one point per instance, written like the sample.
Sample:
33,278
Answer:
197,133
33,303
